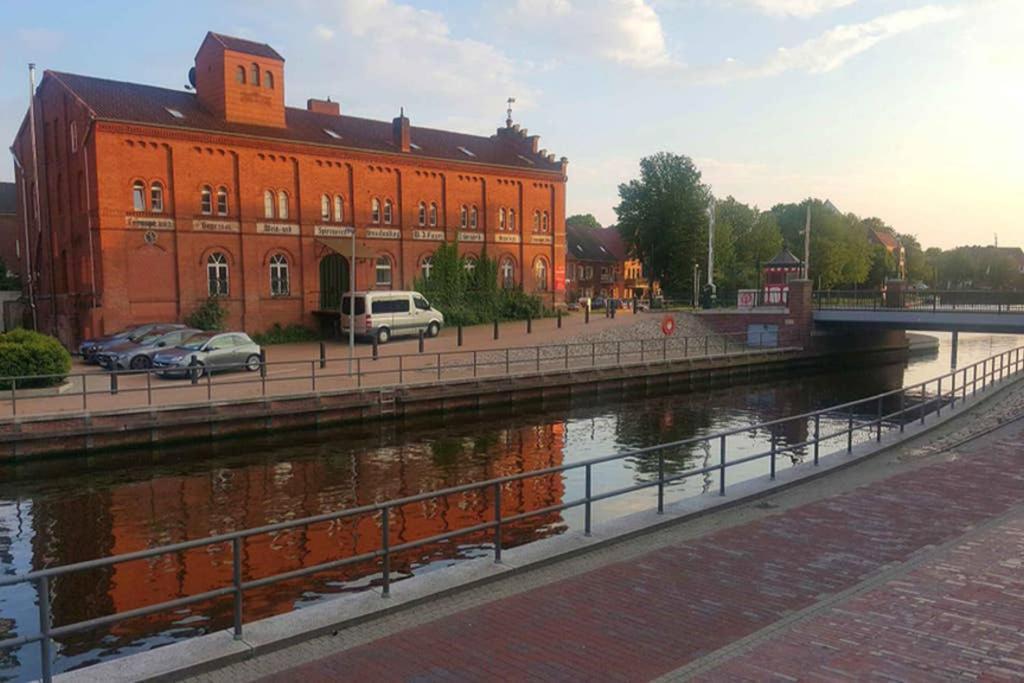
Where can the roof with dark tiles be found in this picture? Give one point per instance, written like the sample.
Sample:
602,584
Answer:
145,104
594,244
248,47
784,258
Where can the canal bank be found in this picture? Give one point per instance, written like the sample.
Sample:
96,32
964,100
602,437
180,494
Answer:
97,431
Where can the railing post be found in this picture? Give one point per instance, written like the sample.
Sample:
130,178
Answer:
773,456
686,347
421,342
706,347
817,436
558,316
586,503
952,391
593,354
508,370
401,368
113,382
359,371
14,395
903,407
538,359
924,401
641,350
974,381
938,392
209,386
849,432
323,355
586,315
878,436
43,587
385,548
236,577
312,375
566,355
474,363
497,521
721,467
495,329
661,482
438,366
664,348
263,365
459,337
529,324
376,347
618,353
149,387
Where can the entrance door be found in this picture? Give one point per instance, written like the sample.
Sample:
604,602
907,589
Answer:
333,281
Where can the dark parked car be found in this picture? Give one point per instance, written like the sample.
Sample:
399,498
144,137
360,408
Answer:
209,352
137,353
90,348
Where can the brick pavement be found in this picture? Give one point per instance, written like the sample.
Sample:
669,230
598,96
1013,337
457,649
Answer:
673,606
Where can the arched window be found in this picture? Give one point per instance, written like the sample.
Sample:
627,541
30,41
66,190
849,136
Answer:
512,220
268,80
389,210
501,218
325,208
472,218
156,198
433,214
426,265
507,273
279,275
282,204
544,222
254,72
222,201
138,196
540,274
383,272
375,210
217,274
469,263
240,75
536,221
339,209
206,200
421,217
268,204
463,217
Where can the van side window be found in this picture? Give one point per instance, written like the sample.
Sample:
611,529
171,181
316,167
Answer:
378,307
421,303
400,305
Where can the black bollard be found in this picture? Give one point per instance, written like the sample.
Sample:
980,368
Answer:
263,362
495,328
634,305
529,324
613,312
559,315
323,355
459,343
113,381
375,347
193,370
586,315
421,341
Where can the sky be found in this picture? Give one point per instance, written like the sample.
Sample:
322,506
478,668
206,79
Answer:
909,110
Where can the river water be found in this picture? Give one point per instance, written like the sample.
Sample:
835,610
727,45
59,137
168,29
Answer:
64,511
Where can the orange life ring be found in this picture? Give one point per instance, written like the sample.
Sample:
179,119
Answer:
668,325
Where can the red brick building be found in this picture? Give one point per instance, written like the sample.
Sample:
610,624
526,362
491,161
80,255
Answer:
152,199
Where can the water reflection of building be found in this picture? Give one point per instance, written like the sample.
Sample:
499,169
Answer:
175,508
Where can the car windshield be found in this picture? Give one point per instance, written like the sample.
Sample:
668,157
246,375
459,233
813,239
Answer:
195,342
146,337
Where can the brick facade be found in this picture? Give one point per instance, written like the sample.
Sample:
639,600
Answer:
102,262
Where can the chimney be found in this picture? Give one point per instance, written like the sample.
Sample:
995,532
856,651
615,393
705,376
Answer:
323,106
400,132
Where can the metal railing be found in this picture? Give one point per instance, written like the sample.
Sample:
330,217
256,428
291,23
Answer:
145,388
960,301
869,414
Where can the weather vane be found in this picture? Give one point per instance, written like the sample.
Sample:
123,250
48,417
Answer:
508,120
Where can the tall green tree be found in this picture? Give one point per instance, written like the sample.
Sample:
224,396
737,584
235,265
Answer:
745,238
840,252
663,219
582,220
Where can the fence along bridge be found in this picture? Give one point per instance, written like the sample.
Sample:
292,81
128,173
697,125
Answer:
928,310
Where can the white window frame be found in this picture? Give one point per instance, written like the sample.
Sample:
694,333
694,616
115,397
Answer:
206,200
383,265
339,209
375,211
156,197
269,202
138,196
282,205
280,280
222,201
218,281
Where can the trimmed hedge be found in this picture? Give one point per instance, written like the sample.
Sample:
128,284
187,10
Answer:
286,335
24,352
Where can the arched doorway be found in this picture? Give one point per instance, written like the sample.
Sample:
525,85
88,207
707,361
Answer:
333,281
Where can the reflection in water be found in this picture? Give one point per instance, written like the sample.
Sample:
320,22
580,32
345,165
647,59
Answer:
64,511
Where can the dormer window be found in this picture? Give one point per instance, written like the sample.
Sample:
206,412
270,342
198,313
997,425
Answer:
254,72
175,113
240,75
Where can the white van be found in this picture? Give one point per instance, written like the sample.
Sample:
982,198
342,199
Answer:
382,314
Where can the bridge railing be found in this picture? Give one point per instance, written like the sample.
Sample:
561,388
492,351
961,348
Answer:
962,301
874,415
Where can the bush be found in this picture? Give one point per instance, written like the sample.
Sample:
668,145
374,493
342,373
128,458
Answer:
23,352
473,297
209,316
286,335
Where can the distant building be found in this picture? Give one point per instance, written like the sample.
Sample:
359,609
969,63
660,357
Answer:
893,246
10,247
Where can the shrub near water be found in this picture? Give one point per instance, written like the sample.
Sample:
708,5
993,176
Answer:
23,352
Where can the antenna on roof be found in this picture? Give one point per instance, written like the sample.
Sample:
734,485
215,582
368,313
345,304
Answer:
508,120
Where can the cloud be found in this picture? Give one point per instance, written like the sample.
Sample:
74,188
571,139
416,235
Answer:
797,8
375,52
831,49
627,32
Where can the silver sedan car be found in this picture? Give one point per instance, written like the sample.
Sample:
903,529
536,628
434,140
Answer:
137,354
209,352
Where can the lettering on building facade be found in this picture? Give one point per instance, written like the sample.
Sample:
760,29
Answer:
149,223
430,235
471,237
383,234
332,231
216,226
277,228
502,238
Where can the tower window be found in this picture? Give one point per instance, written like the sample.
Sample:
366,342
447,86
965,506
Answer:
254,70
206,201
240,75
268,80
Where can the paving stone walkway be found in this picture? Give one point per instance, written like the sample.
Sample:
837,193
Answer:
918,576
